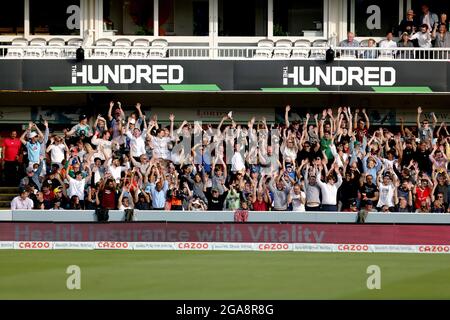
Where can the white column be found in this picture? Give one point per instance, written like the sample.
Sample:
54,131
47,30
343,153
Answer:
156,18
26,23
270,19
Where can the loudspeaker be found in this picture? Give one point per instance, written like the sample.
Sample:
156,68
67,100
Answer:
80,54
329,55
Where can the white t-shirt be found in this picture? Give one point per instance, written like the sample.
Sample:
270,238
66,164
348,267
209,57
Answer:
297,204
386,195
57,152
76,188
237,163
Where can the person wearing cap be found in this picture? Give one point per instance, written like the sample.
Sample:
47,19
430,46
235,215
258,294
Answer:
405,43
215,199
409,24
80,130
22,201
33,145
61,195
368,206
352,206
197,204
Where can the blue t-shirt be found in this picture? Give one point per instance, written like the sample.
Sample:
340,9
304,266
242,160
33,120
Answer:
33,150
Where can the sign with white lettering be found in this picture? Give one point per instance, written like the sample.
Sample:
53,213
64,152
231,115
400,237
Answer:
230,75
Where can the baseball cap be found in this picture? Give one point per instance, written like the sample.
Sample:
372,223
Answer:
353,203
82,117
57,189
369,203
33,134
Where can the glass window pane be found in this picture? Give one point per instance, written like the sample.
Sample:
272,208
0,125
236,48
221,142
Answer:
373,18
55,17
184,18
12,17
128,17
243,18
298,18
434,6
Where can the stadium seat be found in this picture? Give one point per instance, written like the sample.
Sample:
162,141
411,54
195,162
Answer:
140,48
102,48
123,48
75,43
265,49
301,49
319,54
35,48
158,48
283,49
17,49
55,52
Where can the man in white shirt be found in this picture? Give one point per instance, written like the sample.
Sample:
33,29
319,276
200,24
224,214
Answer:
22,202
388,43
57,150
137,142
329,189
423,37
77,185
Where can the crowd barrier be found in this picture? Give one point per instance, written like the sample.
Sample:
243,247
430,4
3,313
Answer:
225,216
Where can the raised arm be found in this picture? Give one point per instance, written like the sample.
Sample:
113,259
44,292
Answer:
419,112
286,115
367,118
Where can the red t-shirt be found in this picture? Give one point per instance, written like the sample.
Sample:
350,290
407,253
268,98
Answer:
12,147
421,195
260,206
109,199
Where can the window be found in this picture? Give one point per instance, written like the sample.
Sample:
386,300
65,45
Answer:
297,18
243,18
54,17
373,18
183,18
128,17
12,17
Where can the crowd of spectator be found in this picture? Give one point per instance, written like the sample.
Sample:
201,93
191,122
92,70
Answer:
333,161
428,31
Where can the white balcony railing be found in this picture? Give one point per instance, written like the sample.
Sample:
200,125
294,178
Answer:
224,53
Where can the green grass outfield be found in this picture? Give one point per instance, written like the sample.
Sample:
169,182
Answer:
221,275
